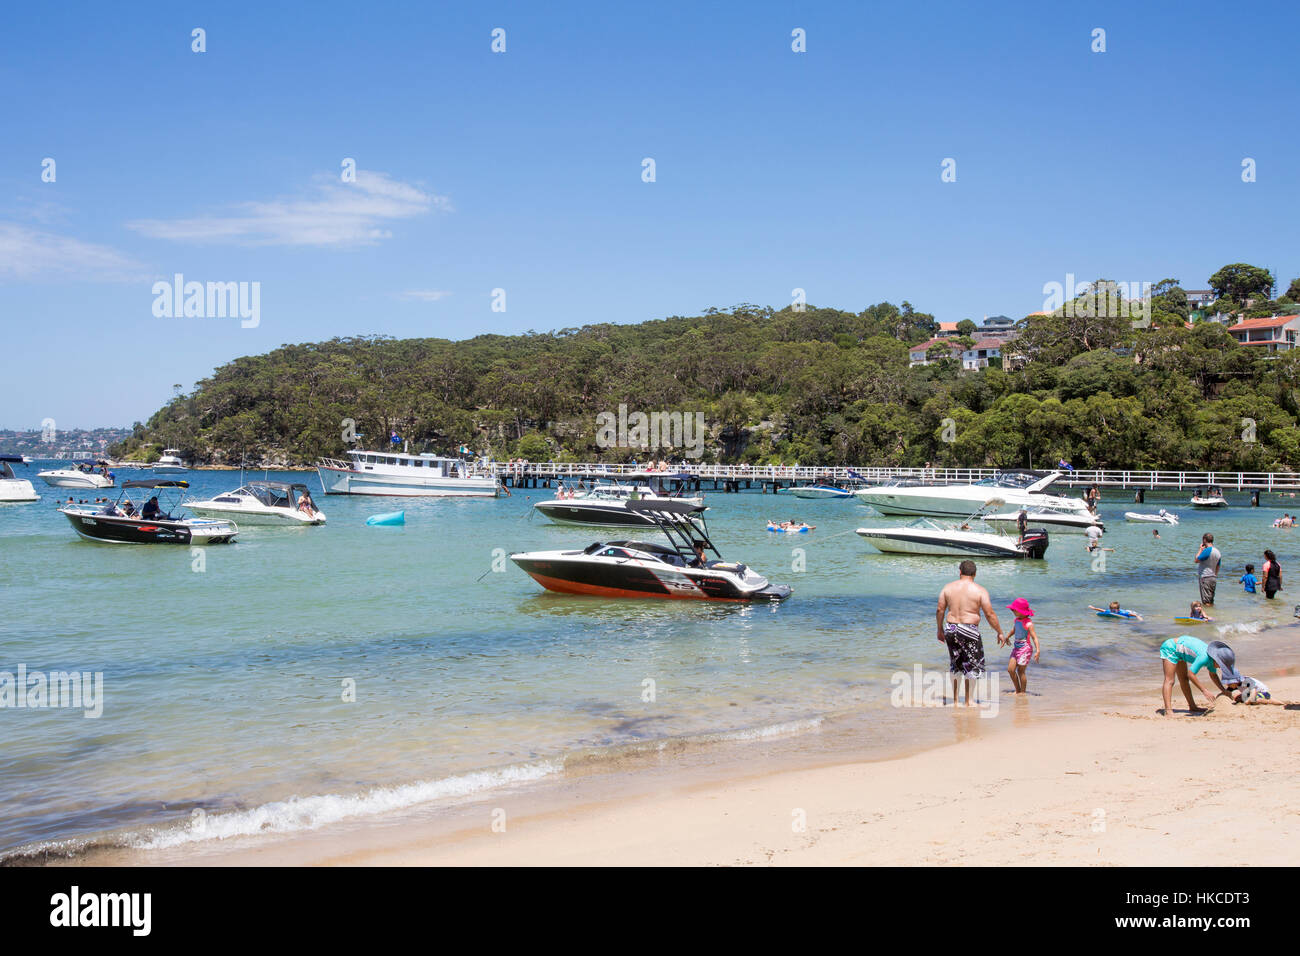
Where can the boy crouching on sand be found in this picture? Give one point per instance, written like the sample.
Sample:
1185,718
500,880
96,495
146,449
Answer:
1024,645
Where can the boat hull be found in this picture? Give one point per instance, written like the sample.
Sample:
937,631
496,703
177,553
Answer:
17,491
341,481
70,480
121,530
906,541
270,517
1209,503
1149,519
818,492
1058,524
890,502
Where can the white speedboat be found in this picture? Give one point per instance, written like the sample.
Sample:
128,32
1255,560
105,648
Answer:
1162,517
1070,522
1018,489
170,463
13,488
402,475
610,506
1211,497
821,491
926,536
78,476
262,503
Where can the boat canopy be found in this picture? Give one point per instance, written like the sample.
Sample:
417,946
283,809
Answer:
17,458
155,483
279,485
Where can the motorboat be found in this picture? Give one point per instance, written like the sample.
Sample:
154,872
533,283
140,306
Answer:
607,505
81,475
1209,497
927,536
403,475
128,521
1069,522
821,491
680,570
1019,489
13,488
1161,517
262,503
170,463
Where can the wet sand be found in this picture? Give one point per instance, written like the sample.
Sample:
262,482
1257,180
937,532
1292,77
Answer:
1120,785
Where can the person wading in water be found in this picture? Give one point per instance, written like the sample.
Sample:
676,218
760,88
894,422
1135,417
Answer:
961,602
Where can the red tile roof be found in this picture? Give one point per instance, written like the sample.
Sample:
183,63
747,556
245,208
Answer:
1276,321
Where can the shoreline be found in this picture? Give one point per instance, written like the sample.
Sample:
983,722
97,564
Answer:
952,792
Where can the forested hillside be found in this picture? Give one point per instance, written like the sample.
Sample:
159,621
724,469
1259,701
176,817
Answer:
822,386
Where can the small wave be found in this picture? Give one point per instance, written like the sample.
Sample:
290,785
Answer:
1242,627
308,813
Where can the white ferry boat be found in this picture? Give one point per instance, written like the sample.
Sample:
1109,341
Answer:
402,475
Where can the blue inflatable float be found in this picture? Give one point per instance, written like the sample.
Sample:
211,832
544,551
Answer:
393,517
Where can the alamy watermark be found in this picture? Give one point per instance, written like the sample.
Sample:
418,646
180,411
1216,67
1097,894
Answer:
212,300
651,430
1114,300
929,688
37,690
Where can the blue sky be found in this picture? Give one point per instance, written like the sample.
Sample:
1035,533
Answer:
522,170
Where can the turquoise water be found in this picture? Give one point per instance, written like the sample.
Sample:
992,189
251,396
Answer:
224,688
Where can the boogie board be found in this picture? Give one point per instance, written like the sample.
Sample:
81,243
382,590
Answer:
1122,617
393,517
1191,620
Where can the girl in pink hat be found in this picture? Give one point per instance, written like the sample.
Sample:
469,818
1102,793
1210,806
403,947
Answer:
1025,644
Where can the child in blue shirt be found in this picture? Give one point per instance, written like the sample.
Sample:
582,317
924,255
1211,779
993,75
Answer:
1248,580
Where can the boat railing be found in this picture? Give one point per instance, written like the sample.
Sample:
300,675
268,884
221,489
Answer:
334,463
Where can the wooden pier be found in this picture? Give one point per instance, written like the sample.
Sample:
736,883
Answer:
776,478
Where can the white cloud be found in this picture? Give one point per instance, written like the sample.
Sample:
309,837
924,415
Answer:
341,214
27,253
423,295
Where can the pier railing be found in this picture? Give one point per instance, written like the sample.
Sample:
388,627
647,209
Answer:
805,474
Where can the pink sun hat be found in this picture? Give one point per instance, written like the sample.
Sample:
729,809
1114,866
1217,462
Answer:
1021,606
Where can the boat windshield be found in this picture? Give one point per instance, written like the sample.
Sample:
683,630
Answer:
926,523
1015,479
269,496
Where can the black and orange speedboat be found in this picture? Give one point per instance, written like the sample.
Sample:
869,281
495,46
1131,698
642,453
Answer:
682,569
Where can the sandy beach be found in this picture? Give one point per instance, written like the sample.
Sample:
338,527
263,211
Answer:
1124,787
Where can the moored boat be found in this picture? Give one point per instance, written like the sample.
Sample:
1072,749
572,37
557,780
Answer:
821,491
1018,489
607,505
1069,522
1161,517
402,475
126,522
13,488
170,463
80,475
1209,497
680,570
262,503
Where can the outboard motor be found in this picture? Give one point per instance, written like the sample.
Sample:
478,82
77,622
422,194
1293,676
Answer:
1034,541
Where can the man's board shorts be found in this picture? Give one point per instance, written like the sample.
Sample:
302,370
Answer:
1208,583
965,649
1021,653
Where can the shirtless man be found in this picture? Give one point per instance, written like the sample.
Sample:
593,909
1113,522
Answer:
962,601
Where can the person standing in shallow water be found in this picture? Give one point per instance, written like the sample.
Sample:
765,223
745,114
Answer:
1207,568
958,620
